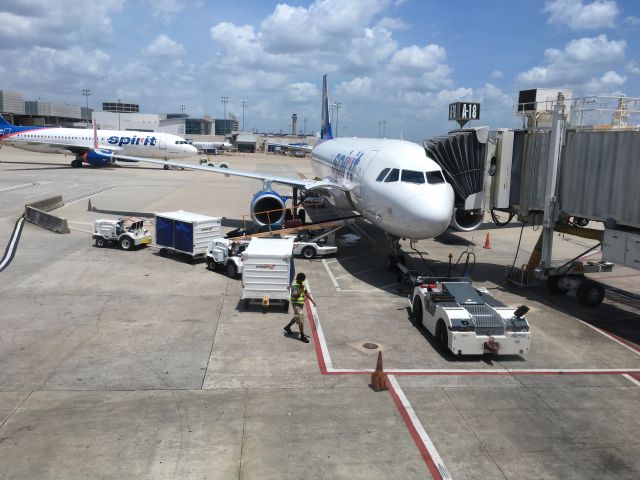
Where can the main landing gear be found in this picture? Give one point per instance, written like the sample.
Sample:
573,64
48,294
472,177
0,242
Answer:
77,163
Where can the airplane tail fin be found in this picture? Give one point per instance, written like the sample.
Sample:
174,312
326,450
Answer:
4,123
325,129
95,135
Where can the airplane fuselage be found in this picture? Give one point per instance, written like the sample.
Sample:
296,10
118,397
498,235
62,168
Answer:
392,183
74,140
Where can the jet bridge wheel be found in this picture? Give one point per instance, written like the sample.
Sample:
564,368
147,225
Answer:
590,293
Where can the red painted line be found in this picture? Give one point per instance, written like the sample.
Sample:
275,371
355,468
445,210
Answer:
414,434
316,340
498,373
629,344
635,375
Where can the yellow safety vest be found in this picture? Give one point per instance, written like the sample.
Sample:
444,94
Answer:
300,298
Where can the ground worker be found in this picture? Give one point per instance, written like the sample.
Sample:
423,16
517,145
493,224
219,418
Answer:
298,294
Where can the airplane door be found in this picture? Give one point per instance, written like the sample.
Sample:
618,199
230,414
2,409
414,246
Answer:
7,131
162,143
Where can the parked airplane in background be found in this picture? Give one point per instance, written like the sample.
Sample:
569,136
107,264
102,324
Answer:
391,183
294,147
210,146
97,147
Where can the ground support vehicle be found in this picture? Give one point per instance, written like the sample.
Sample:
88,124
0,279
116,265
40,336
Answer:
209,163
267,272
186,232
109,232
310,245
469,321
225,253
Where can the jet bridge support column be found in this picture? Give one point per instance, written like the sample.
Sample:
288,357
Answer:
550,191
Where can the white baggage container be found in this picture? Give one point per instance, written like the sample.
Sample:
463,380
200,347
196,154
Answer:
268,271
186,232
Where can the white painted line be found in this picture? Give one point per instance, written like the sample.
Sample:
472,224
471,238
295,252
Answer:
631,379
371,240
321,339
24,185
37,195
13,243
333,279
81,230
610,337
422,433
367,270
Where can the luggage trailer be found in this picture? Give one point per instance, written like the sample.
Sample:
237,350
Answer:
469,321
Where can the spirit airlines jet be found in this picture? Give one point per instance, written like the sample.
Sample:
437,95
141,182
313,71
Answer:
97,147
391,183
204,146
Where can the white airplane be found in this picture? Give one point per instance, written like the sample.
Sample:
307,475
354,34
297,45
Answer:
97,147
391,183
205,146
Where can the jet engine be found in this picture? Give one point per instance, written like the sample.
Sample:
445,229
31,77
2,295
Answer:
466,220
268,208
100,159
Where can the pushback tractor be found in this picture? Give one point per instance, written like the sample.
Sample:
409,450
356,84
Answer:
469,321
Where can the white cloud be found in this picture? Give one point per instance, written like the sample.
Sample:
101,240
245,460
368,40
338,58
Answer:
608,83
357,87
373,47
303,92
390,23
324,24
497,74
633,21
415,58
577,15
163,46
167,10
579,59
56,24
633,67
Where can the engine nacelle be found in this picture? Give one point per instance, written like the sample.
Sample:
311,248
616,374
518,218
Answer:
268,208
98,158
466,220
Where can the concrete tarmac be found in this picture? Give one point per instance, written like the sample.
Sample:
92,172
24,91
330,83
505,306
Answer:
130,365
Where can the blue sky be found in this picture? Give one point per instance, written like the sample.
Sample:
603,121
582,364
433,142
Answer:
398,61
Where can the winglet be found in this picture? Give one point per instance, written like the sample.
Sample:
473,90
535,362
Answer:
95,135
325,129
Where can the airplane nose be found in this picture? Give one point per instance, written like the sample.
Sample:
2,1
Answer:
431,211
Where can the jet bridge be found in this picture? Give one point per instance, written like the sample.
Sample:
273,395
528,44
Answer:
574,170
462,156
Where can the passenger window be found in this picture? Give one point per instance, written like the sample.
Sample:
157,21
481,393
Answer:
382,174
434,177
393,176
412,176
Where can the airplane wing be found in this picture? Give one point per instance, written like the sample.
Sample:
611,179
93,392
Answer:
302,183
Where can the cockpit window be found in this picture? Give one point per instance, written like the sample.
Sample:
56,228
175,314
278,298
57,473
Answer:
382,174
434,177
393,176
412,176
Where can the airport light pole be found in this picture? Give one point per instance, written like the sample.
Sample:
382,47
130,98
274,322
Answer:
382,123
332,107
224,101
86,92
338,107
243,103
182,109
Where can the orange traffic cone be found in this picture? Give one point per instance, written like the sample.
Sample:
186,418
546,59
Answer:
378,378
487,243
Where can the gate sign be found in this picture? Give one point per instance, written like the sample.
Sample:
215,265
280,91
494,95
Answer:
462,112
